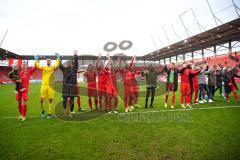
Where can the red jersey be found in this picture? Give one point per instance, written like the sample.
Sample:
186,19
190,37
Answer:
91,76
114,78
108,78
185,72
91,79
195,79
101,77
25,76
126,76
230,77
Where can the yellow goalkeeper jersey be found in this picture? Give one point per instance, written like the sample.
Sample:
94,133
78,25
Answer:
48,72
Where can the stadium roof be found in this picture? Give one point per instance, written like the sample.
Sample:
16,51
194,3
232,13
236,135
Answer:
219,35
5,54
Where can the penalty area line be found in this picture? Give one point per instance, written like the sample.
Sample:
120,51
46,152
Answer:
166,110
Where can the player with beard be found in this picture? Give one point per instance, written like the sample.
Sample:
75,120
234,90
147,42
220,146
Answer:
47,87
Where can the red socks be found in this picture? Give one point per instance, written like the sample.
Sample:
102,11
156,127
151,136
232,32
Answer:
90,102
166,98
235,95
24,110
173,99
79,102
20,107
227,96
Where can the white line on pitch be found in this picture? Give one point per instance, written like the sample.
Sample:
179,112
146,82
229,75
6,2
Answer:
172,110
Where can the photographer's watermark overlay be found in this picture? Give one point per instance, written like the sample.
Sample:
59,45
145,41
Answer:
176,115
157,116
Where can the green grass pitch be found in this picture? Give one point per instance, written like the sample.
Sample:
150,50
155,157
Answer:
209,134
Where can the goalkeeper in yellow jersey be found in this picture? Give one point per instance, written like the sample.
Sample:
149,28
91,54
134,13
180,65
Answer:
47,87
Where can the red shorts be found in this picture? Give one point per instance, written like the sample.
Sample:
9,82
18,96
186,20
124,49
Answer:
22,95
92,90
195,87
111,91
133,90
170,86
101,90
185,88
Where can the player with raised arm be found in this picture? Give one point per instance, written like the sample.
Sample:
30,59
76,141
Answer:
22,96
151,81
185,72
195,86
70,85
101,87
172,82
47,87
229,75
91,86
202,82
126,76
111,72
134,89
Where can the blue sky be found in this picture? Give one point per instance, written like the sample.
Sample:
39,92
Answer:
49,26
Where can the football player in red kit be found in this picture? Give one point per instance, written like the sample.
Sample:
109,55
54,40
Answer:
127,84
101,89
230,85
91,86
22,96
134,86
185,84
195,88
111,87
172,82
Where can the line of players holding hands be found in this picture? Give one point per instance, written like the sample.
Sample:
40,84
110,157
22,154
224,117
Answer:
197,82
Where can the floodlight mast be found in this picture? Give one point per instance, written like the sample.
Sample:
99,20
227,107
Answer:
236,8
3,38
185,28
175,33
214,16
